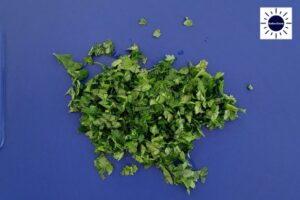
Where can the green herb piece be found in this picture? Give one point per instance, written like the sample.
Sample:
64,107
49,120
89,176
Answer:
154,115
156,33
187,21
143,22
129,170
103,166
74,69
106,48
250,87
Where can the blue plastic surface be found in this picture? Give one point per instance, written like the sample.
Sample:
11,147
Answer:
253,158
2,88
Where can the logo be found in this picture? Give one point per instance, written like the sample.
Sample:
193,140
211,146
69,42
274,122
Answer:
276,23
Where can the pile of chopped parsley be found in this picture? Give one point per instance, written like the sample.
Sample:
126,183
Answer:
154,115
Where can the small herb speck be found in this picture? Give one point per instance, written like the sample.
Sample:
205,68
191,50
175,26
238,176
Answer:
156,33
143,22
187,21
250,87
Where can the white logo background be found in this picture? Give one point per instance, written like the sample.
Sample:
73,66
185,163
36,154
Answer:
276,23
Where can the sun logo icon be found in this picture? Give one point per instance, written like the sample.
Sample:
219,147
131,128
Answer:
276,23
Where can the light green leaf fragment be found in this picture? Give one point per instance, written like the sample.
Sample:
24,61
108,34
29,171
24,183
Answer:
144,60
203,173
129,170
184,70
202,65
166,173
103,166
168,116
154,130
106,48
250,87
170,58
143,21
134,47
187,21
118,155
156,33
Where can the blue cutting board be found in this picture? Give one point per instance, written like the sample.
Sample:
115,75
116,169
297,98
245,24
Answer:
2,88
255,157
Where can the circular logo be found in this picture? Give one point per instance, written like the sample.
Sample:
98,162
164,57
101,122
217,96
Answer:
276,23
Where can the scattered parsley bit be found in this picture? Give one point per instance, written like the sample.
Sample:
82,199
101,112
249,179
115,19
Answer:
250,87
154,115
170,58
106,48
143,21
129,170
187,21
103,166
156,33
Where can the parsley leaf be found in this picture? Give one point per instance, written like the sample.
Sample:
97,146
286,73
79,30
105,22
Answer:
250,87
143,22
103,166
156,33
74,69
187,21
129,170
106,48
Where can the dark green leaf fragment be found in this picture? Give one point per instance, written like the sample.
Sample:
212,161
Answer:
88,60
73,68
106,48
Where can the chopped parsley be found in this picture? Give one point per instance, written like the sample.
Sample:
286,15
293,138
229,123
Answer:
156,33
129,170
187,21
250,87
143,21
154,115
